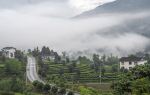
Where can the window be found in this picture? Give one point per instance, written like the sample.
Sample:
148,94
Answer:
122,63
11,55
130,68
130,63
135,63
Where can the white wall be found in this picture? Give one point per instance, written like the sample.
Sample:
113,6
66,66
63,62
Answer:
10,52
126,64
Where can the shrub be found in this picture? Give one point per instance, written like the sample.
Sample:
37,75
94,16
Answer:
70,93
62,91
54,89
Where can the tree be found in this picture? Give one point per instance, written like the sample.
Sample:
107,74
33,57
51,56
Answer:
88,91
17,85
35,83
45,51
67,60
35,52
46,87
13,67
84,60
97,62
54,89
103,71
14,84
103,58
20,56
136,81
141,86
5,85
62,91
29,51
70,93
123,70
70,68
61,72
96,59
112,60
57,58
77,76
38,85
3,58
114,68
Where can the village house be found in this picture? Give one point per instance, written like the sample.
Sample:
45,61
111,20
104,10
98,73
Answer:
50,56
130,62
9,52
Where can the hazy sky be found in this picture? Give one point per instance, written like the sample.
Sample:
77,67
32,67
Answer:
48,22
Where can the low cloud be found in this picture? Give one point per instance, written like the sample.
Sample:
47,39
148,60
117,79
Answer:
37,25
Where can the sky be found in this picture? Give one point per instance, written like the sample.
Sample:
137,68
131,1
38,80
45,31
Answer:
49,22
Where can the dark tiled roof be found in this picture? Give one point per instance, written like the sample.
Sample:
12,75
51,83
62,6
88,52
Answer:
9,48
132,58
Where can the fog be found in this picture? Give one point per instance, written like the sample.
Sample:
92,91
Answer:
50,23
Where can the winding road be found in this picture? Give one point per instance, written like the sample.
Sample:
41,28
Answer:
31,71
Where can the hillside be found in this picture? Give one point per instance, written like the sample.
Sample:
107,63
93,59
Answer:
119,6
137,25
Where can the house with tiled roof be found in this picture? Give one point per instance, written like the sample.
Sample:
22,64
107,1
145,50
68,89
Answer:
9,52
131,62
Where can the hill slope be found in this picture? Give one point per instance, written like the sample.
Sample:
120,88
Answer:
120,6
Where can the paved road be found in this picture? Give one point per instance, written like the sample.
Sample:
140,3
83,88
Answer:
31,70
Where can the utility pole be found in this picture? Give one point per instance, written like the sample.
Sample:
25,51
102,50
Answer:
26,75
118,66
100,74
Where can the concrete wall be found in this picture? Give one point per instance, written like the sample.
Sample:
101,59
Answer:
126,64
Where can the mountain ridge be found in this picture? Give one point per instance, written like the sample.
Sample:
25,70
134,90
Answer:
118,6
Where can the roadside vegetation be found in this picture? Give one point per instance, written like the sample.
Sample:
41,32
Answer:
96,76
77,74
12,74
63,75
134,82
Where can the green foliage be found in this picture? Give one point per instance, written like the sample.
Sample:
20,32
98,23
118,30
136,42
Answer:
70,93
62,91
5,85
46,87
141,86
45,51
14,68
114,68
38,85
35,52
88,91
15,85
35,83
2,58
6,93
112,60
103,70
54,89
136,81
84,60
20,56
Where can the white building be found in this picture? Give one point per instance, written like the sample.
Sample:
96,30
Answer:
130,62
9,52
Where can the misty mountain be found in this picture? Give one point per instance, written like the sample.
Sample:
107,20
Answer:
138,26
120,6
